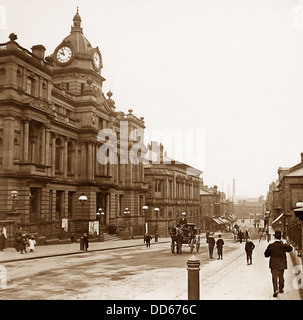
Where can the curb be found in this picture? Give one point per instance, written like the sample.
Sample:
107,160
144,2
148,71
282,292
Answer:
51,255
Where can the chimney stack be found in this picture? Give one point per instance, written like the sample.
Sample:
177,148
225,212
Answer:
38,51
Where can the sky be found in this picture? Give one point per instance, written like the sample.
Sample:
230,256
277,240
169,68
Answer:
224,77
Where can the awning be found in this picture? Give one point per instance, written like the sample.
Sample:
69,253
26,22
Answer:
232,217
278,218
223,220
217,221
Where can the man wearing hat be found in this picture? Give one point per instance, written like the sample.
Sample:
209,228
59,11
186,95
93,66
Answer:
277,262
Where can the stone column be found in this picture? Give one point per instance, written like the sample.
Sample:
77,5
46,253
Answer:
47,150
8,143
25,140
43,142
53,163
76,155
65,157
89,161
83,161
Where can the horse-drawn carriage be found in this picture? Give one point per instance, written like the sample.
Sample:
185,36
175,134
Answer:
185,235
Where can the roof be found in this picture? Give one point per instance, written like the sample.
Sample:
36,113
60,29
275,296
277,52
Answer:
295,173
204,192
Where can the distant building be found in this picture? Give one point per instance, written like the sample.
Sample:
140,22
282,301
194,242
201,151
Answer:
282,198
216,212
250,208
173,187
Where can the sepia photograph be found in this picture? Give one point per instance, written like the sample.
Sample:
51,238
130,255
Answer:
151,151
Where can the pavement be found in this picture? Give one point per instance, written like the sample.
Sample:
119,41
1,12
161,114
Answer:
233,279
46,251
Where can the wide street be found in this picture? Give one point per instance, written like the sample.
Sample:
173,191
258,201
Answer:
140,273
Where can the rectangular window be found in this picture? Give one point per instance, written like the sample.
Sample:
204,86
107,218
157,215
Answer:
30,86
59,205
71,204
158,188
34,205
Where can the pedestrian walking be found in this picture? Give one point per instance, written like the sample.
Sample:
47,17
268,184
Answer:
249,247
23,243
240,235
3,237
276,251
147,240
220,244
85,242
211,244
246,234
32,243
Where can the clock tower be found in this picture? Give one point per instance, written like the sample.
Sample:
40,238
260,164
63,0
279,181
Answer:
77,65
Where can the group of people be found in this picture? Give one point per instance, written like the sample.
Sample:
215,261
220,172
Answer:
239,234
212,243
276,252
22,240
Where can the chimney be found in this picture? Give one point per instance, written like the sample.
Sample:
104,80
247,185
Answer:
301,156
38,51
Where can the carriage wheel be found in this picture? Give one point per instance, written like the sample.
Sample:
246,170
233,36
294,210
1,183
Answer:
192,244
179,248
172,247
198,246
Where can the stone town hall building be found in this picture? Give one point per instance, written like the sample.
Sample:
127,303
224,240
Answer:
51,110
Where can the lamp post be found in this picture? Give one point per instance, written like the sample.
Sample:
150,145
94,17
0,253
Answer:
82,199
127,213
100,215
145,208
14,194
267,215
287,216
156,234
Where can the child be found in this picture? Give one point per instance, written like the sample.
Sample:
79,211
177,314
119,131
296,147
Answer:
31,243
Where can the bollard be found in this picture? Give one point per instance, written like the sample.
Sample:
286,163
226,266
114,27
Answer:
81,244
193,267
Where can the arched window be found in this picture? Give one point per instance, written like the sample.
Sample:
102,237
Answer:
59,155
32,143
16,148
70,157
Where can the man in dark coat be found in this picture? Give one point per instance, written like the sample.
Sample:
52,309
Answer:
277,262
147,240
211,244
220,244
249,247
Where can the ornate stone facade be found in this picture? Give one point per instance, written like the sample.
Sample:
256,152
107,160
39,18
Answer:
51,111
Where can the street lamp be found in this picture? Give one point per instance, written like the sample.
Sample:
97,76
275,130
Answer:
100,215
14,194
127,213
156,212
82,199
145,208
287,216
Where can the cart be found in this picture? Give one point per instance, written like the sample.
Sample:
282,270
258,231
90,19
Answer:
185,236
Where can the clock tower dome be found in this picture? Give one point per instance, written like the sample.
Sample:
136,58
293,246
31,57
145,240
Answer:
77,65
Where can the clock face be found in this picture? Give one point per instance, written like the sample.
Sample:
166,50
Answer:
64,54
97,60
